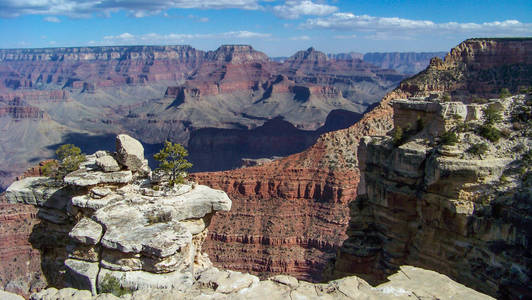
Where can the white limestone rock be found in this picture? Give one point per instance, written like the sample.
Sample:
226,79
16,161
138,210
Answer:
99,192
86,201
107,163
89,178
130,152
100,153
225,282
39,191
129,229
9,296
140,280
86,232
290,281
425,284
83,274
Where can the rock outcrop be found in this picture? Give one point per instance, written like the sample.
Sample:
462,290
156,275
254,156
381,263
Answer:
446,206
312,188
218,284
102,223
105,238
315,177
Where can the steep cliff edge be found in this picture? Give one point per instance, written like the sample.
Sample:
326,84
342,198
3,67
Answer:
450,188
323,179
111,218
311,189
112,228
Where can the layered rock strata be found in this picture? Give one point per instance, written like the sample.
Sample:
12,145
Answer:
107,223
332,165
122,233
155,93
443,206
311,188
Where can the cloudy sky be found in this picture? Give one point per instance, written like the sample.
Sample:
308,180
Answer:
276,27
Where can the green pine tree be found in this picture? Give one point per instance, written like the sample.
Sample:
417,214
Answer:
172,162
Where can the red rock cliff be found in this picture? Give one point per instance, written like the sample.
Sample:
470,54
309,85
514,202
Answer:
289,215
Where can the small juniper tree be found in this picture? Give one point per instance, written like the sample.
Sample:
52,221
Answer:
172,162
69,157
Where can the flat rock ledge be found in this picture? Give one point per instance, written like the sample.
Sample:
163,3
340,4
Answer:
408,283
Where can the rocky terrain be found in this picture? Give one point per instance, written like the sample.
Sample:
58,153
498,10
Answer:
446,205
55,96
113,228
110,218
319,182
314,188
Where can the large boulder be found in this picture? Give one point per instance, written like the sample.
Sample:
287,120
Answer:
130,152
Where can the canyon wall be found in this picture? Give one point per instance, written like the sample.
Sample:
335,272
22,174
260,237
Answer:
324,176
96,66
157,93
447,206
290,215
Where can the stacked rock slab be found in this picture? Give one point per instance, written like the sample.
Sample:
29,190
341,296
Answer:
121,225
445,207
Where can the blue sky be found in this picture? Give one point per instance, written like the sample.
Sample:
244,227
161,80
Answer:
278,28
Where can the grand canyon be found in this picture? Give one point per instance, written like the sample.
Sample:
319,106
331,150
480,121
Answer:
321,191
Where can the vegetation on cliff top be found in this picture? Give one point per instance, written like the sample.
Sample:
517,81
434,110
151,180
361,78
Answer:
69,157
173,163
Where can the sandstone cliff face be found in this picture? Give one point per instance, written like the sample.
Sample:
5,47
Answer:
112,226
72,67
478,67
20,266
328,171
444,207
311,189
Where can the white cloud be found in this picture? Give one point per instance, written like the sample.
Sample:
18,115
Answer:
137,8
173,38
301,38
388,28
52,19
292,9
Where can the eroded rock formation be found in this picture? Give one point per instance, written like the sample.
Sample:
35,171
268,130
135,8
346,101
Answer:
124,232
155,93
216,284
105,222
330,166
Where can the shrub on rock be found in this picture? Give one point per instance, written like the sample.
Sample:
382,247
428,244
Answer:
173,163
69,157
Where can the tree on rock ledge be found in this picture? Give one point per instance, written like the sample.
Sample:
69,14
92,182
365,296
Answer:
69,157
172,162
